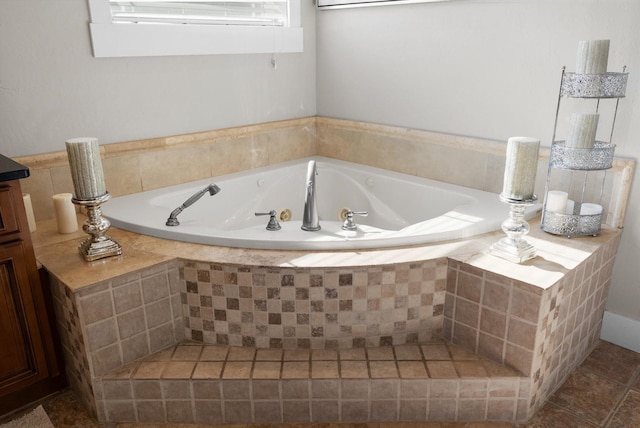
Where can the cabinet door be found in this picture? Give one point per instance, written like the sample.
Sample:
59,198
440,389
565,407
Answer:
22,359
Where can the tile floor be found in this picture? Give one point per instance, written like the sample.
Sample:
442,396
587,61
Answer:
603,392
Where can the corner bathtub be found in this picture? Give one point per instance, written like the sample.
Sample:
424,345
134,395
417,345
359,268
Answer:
402,209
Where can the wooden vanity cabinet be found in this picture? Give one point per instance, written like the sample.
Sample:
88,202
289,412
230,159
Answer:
29,359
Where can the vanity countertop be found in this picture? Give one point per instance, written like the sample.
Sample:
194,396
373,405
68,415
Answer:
12,170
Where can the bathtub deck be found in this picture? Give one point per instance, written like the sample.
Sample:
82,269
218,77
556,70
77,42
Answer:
199,383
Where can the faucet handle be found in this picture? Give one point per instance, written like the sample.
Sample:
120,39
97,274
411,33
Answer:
273,221
349,224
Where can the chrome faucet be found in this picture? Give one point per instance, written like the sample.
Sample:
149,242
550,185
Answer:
310,220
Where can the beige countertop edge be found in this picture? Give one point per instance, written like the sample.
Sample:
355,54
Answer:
59,255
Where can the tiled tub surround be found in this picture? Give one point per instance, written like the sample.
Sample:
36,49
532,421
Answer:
543,333
105,335
111,323
557,298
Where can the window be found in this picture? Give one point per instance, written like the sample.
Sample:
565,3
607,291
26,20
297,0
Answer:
194,27
336,4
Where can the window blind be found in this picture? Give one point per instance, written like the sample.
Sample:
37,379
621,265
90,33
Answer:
271,13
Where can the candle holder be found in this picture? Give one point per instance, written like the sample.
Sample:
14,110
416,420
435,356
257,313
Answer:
98,245
514,248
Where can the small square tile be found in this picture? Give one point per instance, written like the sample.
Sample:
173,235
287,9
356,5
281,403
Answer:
149,370
207,370
380,354
458,353
408,352
268,411
324,354
178,370
325,411
187,353
412,369
436,351
354,370
470,369
383,369
213,353
241,354
441,369
353,354
266,370
297,355
324,370
269,355
237,370
295,370
295,411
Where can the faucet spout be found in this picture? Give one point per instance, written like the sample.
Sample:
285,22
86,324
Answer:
310,221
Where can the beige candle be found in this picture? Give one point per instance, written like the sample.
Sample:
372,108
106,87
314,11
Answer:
557,201
65,213
31,219
86,168
593,56
520,168
582,131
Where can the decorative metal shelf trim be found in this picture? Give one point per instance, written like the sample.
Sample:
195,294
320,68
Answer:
586,159
571,224
606,85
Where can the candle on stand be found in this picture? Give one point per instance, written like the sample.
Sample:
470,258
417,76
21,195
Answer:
582,132
571,204
590,209
557,201
520,168
65,213
86,168
593,56
28,207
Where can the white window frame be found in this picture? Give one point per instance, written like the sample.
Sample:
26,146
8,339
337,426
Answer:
344,4
126,40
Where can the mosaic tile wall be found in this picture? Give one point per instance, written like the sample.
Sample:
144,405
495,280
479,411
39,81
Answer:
317,308
544,334
115,322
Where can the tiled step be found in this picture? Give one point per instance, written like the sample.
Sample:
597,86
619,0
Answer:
196,383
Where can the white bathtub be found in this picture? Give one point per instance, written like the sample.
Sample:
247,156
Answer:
403,209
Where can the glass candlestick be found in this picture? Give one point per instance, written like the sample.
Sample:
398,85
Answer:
98,245
514,248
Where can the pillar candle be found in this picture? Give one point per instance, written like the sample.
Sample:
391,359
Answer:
593,56
557,201
590,209
65,213
86,168
582,132
570,207
520,168
31,219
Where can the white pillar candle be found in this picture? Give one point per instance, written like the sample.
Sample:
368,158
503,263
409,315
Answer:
28,207
557,201
593,56
582,132
65,213
520,168
86,168
570,207
590,209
